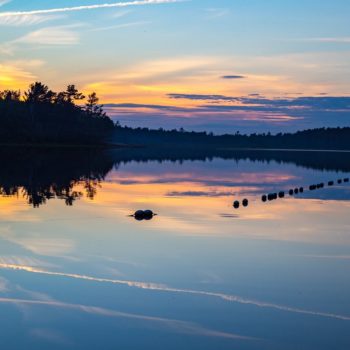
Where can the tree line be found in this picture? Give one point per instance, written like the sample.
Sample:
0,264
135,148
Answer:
41,115
318,139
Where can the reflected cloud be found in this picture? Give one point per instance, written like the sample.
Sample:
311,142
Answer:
164,288
331,257
4,285
44,246
25,261
199,194
176,326
50,335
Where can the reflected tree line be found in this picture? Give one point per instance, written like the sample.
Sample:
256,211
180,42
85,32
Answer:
41,174
317,160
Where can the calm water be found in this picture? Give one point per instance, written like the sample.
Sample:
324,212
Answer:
77,272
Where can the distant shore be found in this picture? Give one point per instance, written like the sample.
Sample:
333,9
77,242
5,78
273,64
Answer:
106,146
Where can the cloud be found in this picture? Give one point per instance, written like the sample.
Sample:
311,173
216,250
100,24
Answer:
199,194
50,335
4,285
335,40
122,25
121,14
203,97
213,13
4,2
26,20
158,287
257,103
50,36
87,7
173,325
17,74
233,77
227,114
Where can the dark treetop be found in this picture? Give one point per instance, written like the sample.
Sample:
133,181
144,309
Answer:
43,116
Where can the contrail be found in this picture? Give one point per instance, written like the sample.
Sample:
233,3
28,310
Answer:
164,288
88,7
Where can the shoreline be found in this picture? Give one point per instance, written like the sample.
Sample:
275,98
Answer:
107,146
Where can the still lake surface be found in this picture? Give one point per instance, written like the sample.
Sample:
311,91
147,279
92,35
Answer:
77,272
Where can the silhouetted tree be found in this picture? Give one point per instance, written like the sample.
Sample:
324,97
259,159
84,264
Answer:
93,108
70,96
44,116
10,95
39,93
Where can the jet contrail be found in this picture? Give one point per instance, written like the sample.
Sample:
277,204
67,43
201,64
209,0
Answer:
88,7
164,288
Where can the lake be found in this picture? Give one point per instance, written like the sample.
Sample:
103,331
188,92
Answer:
77,271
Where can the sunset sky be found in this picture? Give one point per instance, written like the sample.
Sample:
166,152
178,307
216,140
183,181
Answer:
216,65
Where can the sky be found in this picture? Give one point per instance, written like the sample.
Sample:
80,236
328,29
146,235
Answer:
215,65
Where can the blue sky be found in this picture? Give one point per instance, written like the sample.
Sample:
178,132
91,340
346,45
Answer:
137,56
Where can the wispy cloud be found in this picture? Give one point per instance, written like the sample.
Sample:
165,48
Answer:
4,2
87,7
16,74
233,77
335,40
50,36
214,13
4,285
121,13
173,325
120,26
26,20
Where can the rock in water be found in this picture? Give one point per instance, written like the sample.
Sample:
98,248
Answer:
139,215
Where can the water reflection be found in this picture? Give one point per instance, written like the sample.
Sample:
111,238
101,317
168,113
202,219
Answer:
200,275
141,215
38,175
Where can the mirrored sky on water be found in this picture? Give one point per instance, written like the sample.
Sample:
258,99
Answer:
200,275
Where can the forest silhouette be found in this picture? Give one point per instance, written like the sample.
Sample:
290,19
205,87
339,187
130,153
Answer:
42,116
313,139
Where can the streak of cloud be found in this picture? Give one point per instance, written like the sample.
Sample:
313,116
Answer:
164,288
88,7
4,2
233,77
176,326
50,36
334,40
120,26
27,20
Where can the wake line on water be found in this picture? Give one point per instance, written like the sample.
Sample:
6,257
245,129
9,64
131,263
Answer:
164,288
